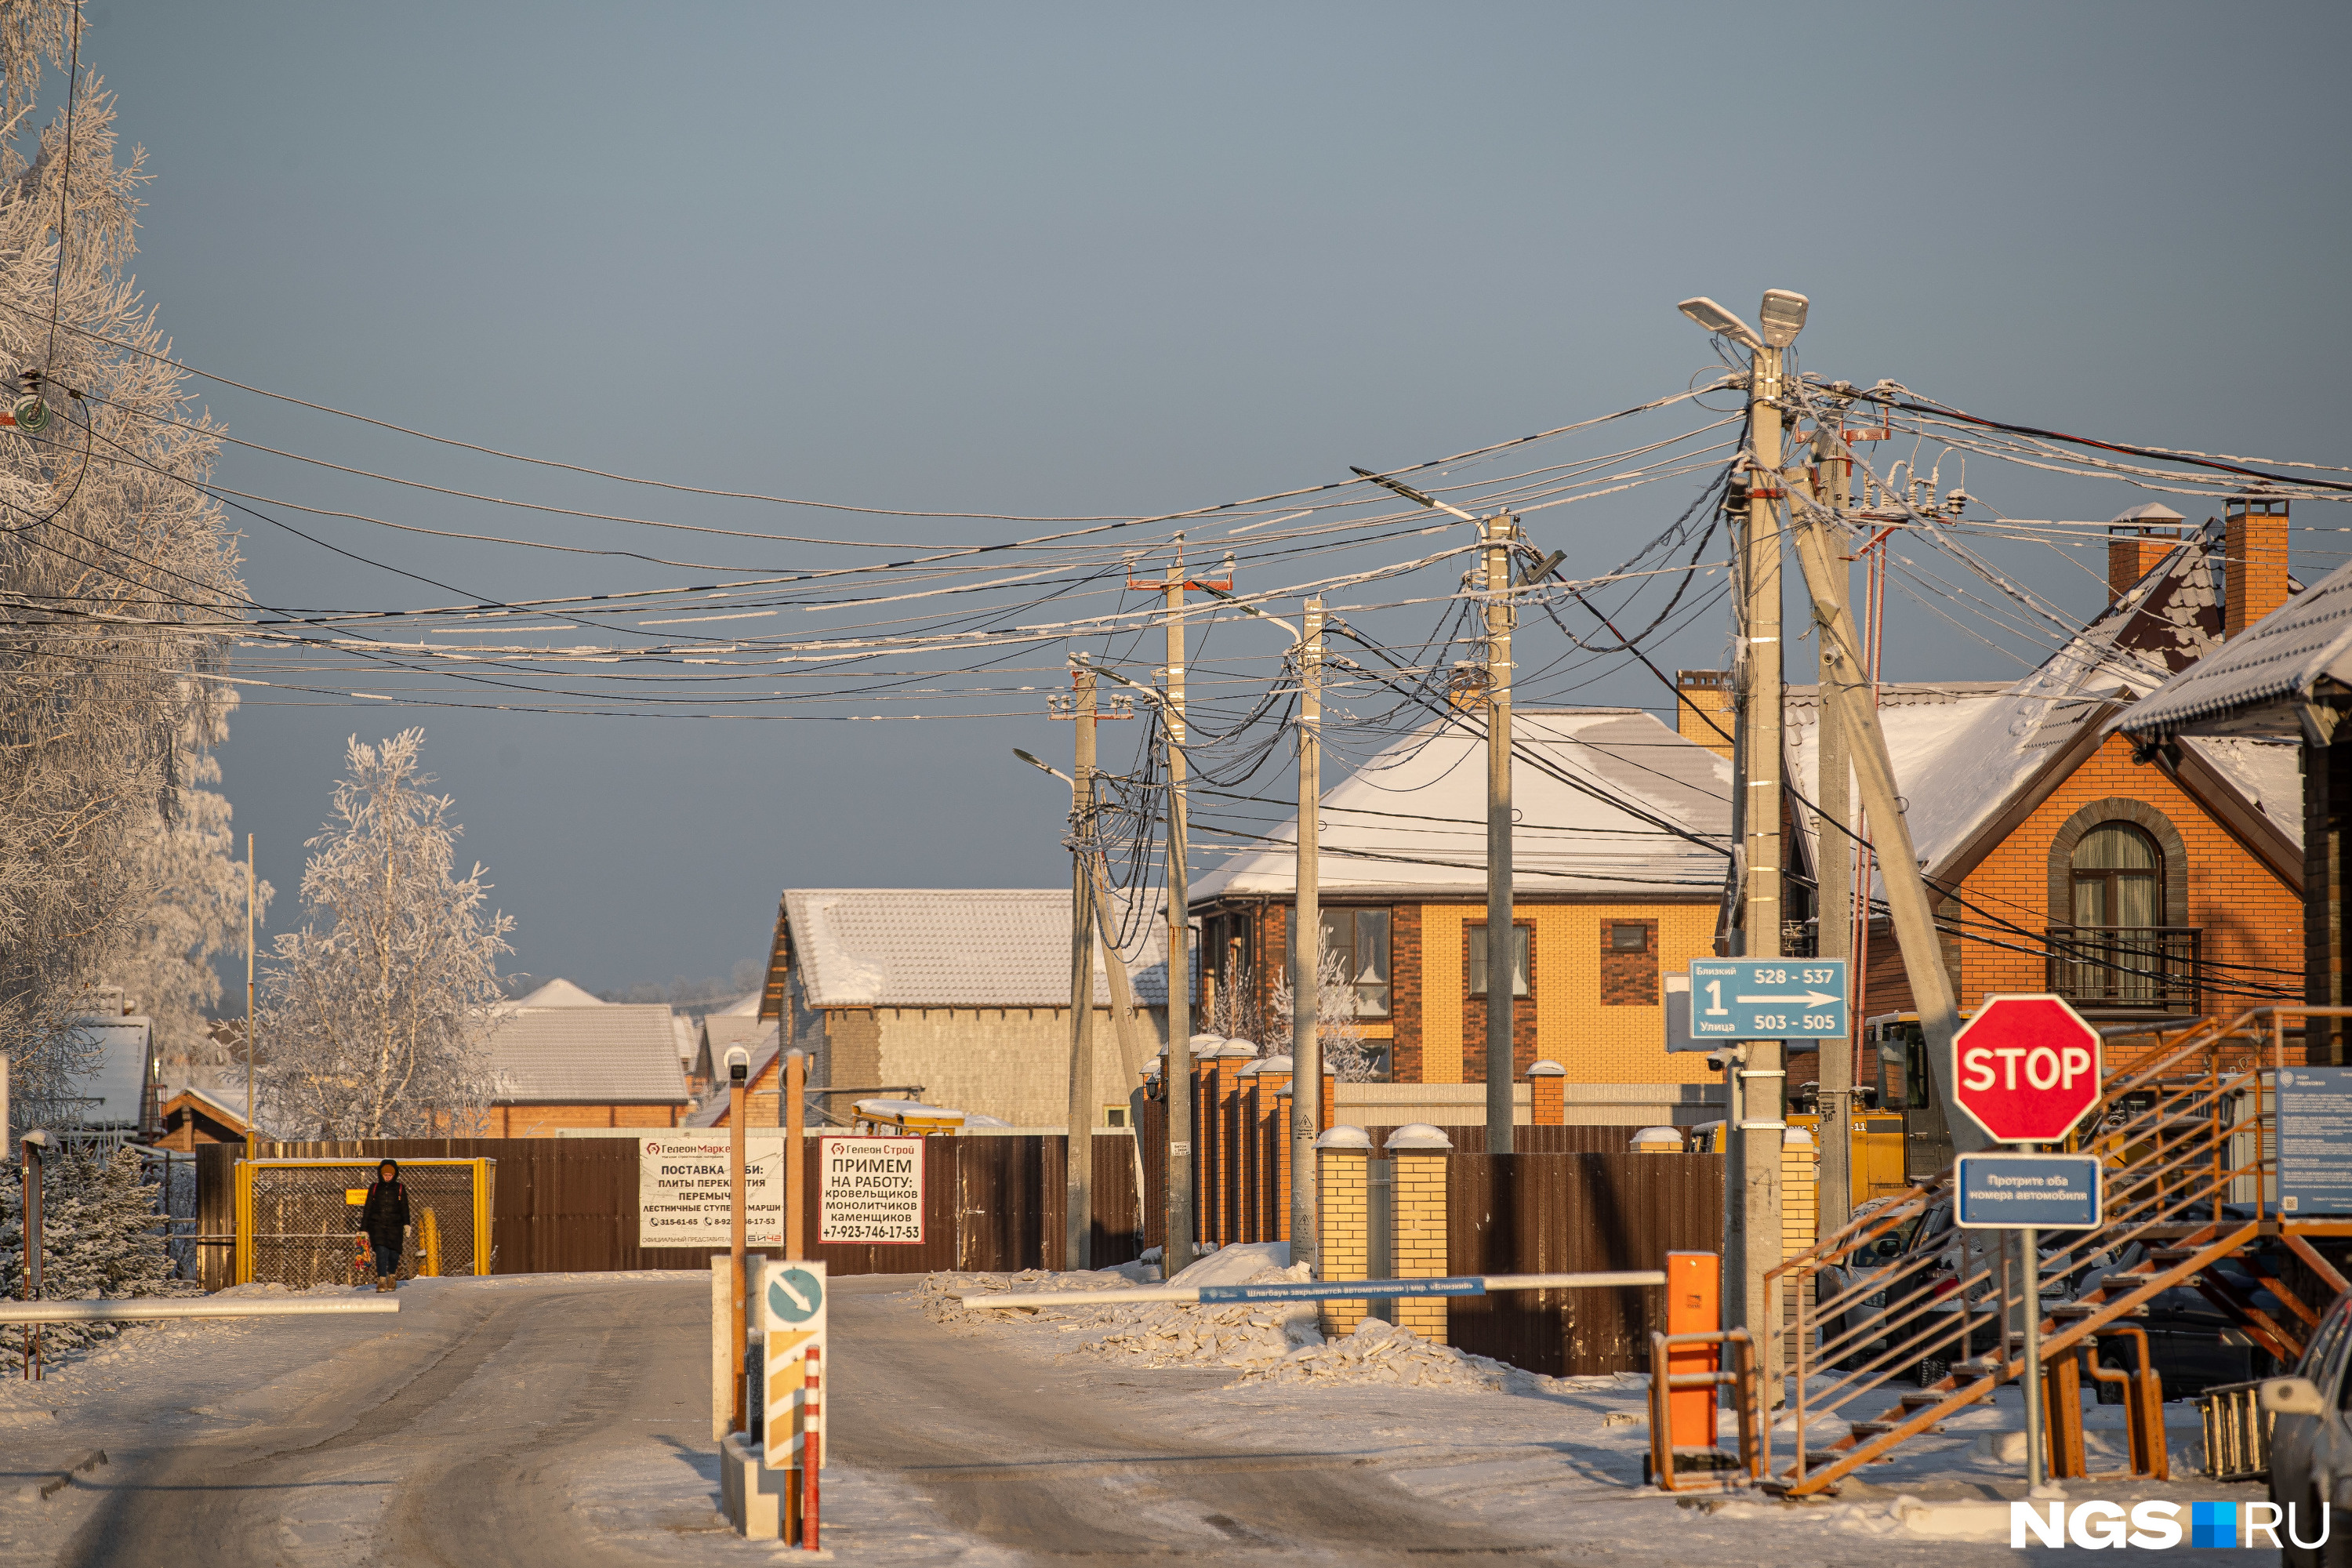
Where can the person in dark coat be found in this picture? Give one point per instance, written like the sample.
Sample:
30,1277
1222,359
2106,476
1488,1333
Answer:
385,1220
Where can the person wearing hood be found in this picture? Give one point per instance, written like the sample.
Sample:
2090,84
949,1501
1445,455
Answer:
385,1220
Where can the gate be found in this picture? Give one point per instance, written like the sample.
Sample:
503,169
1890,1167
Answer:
298,1220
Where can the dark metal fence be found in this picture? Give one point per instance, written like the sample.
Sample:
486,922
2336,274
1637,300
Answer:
1557,1214
569,1205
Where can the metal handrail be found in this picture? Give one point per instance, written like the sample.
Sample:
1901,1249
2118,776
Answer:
2172,1168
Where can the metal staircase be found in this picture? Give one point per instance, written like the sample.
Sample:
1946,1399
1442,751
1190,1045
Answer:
2186,1128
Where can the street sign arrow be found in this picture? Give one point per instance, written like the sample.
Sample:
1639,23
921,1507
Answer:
1809,999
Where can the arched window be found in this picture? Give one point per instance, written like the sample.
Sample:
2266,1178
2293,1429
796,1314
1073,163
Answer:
2118,878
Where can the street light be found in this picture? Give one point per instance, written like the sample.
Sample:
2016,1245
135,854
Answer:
1783,316
1716,318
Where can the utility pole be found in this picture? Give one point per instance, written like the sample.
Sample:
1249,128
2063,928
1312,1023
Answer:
1178,1249
1501,939
1756,1136
1833,904
252,1123
1307,953
1079,1156
1496,536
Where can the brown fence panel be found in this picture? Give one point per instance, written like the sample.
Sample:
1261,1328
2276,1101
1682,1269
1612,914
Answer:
1545,1213
1576,1137
1154,1132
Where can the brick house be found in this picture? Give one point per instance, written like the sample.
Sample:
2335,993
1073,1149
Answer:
964,992
2060,863
564,1061
1617,876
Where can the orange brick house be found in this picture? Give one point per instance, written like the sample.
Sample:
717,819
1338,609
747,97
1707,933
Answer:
2172,886
1618,862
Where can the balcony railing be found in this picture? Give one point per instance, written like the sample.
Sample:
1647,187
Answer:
2150,969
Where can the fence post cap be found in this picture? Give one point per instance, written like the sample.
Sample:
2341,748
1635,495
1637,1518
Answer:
1254,1068
1547,1069
1419,1135
1346,1140
1795,1138
1206,1043
1273,1064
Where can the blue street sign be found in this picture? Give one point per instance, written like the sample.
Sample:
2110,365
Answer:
1767,999
2011,1192
2315,1140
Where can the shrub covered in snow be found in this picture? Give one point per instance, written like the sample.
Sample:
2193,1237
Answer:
102,1237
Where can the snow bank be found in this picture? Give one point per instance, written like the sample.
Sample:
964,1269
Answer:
1379,1351
1268,1342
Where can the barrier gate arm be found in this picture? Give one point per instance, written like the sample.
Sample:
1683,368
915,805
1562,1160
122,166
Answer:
1308,1291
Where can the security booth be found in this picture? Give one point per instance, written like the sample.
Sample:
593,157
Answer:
298,1220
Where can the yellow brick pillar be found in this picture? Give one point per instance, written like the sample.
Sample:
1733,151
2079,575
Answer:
1417,1210
1343,1177
1800,1217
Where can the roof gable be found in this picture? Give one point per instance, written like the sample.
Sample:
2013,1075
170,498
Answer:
617,1054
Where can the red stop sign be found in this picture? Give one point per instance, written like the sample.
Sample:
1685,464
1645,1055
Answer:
2029,1069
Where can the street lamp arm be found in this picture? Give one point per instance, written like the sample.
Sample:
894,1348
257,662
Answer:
1046,768
1252,610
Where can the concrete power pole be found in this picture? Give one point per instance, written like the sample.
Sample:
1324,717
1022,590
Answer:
1178,1250
1752,1206
1833,903
1306,951
1501,1002
1079,1159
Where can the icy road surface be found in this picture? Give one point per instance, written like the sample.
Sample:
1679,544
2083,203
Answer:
564,1420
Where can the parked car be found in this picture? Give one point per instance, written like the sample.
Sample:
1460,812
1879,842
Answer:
2311,1438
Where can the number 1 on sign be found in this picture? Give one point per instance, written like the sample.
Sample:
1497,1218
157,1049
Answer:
1714,997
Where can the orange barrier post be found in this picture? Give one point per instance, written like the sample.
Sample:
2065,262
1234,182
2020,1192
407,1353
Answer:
1694,1287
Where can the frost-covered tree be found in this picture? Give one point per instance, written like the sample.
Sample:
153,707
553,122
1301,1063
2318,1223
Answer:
378,1015
1351,1057
102,1234
193,911
117,580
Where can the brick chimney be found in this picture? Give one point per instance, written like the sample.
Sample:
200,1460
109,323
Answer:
1704,692
2136,542
2254,534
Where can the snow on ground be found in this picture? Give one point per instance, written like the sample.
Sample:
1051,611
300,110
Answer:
1563,1458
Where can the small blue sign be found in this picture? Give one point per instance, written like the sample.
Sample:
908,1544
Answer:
2011,1192
1767,999
794,1294
2315,1140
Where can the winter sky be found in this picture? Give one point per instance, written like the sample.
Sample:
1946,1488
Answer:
1076,258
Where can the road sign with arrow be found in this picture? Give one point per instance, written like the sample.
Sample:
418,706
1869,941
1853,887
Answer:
1768,998
792,1315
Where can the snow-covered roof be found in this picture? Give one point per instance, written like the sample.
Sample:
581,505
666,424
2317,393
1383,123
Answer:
558,993
747,1006
1412,819
955,947
222,1105
2255,685
611,1054
111,1094
1962,758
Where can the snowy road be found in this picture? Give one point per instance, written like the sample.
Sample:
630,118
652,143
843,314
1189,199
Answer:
564,1420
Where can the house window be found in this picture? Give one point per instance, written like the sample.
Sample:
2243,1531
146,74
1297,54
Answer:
1522,941
2118,878
1360,938
1629,964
